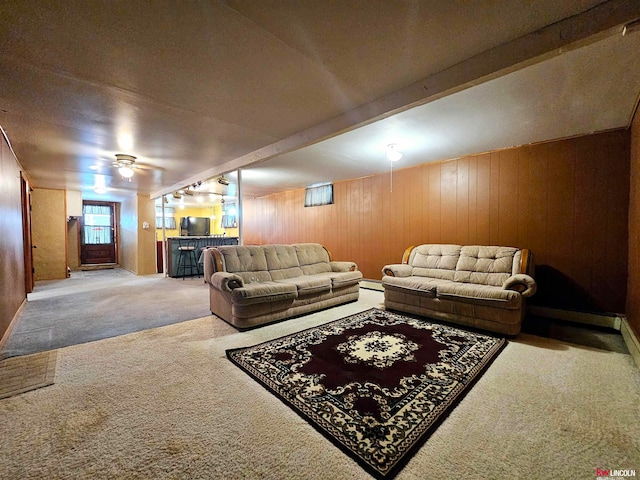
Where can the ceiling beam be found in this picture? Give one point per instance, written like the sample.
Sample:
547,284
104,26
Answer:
597,23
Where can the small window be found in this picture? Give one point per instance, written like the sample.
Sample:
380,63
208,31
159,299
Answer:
229,219
169,223
317,195
169,218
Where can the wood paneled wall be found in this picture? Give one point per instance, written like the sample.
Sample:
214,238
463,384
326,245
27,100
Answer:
12,283
567,201
633,285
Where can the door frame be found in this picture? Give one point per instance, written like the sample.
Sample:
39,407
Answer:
25,193
116,230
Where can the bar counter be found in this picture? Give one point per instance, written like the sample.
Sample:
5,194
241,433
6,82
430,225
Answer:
201,242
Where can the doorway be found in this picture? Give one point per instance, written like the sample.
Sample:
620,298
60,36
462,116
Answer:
98,233
25,190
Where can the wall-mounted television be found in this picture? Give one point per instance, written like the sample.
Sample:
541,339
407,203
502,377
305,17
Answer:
195,226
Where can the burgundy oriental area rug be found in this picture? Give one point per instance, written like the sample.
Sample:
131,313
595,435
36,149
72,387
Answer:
376,383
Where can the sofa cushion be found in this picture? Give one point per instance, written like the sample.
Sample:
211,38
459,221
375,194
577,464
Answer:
240,258
421,286
486,295
435,261
313,258
282,261
260,292
344,279
308,284
485,265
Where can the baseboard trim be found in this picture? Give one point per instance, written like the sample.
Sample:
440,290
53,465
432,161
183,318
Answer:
87,267
12,324
631,341
372,285
608,320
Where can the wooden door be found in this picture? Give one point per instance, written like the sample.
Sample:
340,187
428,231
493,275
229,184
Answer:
48,234
98,233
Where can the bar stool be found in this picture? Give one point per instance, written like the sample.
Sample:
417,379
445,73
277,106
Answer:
187,258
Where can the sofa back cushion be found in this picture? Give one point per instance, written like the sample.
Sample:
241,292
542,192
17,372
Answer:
313,258
282,261
435,261
486,265
248,261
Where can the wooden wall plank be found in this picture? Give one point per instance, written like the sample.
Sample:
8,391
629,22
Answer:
462,202
483,200
435,199
367,226
494,199
508,197
424,198
617,222
412,201
473,201
537,204
398,212
448,201
524,194
584,242
560,196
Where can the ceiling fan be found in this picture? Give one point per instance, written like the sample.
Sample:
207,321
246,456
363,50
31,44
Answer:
124,164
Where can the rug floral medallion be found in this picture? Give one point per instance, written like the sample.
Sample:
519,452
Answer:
376,383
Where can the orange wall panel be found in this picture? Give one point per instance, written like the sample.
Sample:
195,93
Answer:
560,199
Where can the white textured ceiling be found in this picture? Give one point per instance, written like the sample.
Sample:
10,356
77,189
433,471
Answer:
194,89
587,90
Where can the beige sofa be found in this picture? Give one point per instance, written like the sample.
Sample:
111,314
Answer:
478,286
257,284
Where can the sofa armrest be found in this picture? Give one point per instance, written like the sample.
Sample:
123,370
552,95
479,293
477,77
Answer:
226,281
397,270
343,266
522,283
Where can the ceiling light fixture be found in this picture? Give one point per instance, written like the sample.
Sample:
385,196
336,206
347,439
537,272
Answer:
100,185
126,172
223,181
124,163
392,152
393,155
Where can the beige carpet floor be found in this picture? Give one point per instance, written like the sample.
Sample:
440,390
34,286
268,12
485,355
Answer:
166,403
